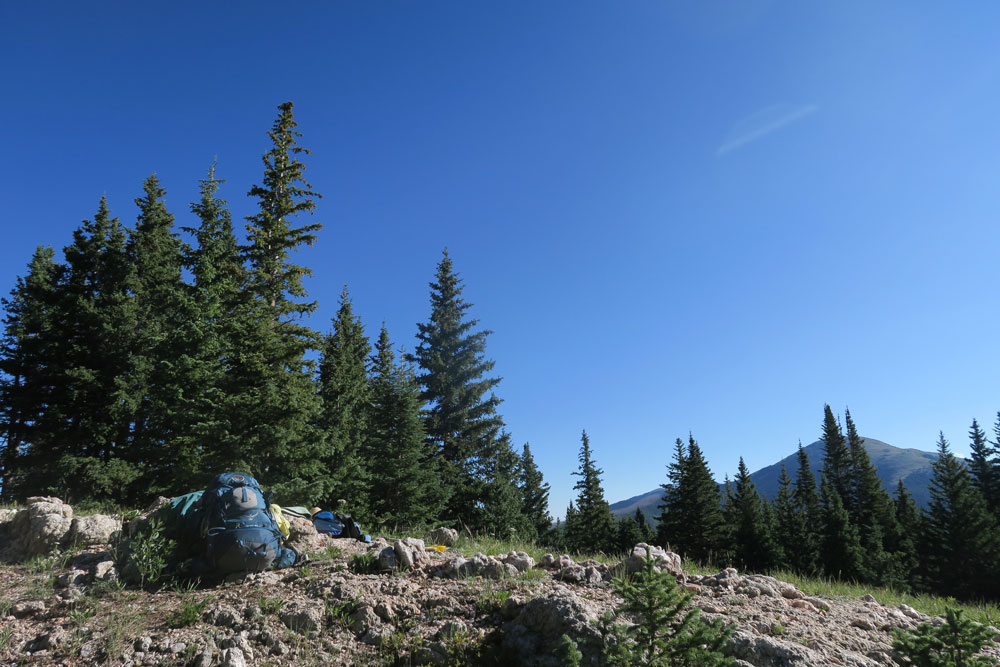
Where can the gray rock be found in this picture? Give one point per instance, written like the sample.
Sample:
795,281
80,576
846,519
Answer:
364,620
387,559
143,644
45,532
177,648
445,536
233,657
203,659
520,560
768,651
29,608
93,529
404,555
535,633
667,560
497,570
70,578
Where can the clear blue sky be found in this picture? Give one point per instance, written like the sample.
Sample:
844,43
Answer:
706,217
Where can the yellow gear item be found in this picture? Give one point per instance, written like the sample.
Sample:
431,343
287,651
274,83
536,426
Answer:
283,525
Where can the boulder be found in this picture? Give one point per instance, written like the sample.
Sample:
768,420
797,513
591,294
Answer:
537,630
521,561
302,535
662,560
94,529
445,536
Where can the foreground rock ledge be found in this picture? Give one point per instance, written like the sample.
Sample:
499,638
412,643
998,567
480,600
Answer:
421,606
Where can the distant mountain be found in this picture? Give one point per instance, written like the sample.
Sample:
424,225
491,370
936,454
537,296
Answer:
892,463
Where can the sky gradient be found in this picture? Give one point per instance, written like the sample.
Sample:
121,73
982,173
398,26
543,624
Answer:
705,217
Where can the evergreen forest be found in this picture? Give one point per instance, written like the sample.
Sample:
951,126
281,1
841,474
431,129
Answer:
147,358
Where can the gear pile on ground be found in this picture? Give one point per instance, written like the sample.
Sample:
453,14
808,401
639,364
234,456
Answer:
384,603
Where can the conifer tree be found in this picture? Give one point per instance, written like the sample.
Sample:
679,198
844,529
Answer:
790,528
836,456
26,363
807,503
501,512
671,521
593,527
461,419
223,308
961,537
84,433
901,540
277,408
752,541
691,518
985,467
404,480
344,389
840,546
871,509
164,370
534,497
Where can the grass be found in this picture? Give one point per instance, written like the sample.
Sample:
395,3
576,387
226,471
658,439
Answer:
981,612
188,614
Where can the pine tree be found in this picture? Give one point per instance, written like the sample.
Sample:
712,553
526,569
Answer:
593,527
670,523
691,519
901,540
343,379
84,433
961,536
275,413
985,467
404,481
836,456
222,307
807,503
26,377
753,543
461,419
163,355
501,512
840,546
789,526
534,497
871,508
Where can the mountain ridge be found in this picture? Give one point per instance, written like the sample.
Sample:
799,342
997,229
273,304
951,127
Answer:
892,463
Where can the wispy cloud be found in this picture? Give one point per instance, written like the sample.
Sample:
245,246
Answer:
762,123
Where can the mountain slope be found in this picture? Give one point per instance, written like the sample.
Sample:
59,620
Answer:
892,463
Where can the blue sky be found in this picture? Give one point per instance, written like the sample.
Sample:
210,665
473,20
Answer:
709,217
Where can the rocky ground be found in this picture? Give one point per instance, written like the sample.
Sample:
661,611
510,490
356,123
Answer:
385,603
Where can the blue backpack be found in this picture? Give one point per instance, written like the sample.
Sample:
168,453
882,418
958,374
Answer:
241,533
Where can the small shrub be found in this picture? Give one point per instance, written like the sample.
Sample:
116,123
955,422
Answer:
151,552
5,607
952,644
491,600
188,614
79,616
5,635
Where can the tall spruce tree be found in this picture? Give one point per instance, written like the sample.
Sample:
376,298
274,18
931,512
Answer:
222,310
901,541
277,408
84,433
961,537
752,541
534,497
402,469
671,522
691,515
985,467
461,419
164,366
593,525
871,508
26,378
836,456
840,547
807,502
501,512
790,527
344,389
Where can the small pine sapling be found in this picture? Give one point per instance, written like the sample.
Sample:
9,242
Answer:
666,632
952,644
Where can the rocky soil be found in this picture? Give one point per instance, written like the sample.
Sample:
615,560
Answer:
385,603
